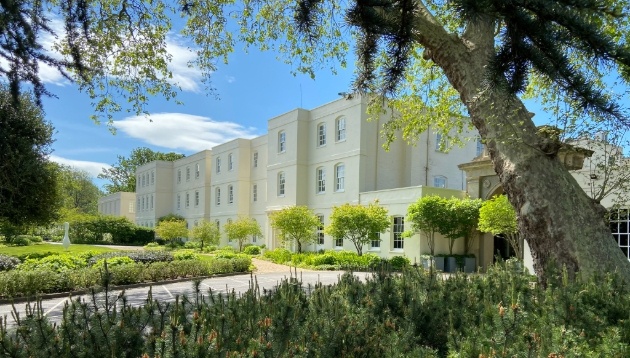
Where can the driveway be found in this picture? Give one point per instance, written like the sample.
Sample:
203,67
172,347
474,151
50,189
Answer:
267,275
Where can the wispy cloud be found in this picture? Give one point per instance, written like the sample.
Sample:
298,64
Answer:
185,76
93,168
230,79
182,131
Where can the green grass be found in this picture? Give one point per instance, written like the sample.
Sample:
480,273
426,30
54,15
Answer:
42,248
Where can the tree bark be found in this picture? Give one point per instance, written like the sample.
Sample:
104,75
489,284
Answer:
558,220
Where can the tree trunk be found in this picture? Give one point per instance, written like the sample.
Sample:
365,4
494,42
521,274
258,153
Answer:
561,224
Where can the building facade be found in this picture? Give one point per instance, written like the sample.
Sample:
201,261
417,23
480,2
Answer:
320,158
118,204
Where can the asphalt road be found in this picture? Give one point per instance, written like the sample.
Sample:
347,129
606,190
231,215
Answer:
53,308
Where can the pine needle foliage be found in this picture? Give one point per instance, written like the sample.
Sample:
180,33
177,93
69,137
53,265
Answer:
415,313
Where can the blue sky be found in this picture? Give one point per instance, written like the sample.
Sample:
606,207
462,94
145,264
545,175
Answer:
253,88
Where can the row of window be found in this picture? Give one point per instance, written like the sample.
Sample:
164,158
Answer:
187,200
230,162
320,180
197,173
340,132
144,203
145,179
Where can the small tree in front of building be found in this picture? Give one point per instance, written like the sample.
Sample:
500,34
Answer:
171,230
206,233
497,216
428,215
358,223
241,230
295,224
460,219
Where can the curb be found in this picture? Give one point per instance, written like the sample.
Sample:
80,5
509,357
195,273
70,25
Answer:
70,294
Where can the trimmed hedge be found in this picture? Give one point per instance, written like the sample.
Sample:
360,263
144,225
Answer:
137,256
93,230
19,283
328,260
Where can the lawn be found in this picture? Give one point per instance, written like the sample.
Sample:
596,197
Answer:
42,248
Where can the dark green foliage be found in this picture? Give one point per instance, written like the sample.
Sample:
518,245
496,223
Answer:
21,240
91,230
8,262
252,250
327,260
399,262
171,217
413,314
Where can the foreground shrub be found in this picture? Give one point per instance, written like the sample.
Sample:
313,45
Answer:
252,250
186,254
279,255
348,260
137,256
412,314
54,263
21,240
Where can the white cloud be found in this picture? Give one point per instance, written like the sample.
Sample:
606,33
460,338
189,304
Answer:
182,131
188,78
93,168
230,79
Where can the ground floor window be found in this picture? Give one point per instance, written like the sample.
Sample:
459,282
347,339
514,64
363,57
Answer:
375,241
399,228
620,228
320,230
338,242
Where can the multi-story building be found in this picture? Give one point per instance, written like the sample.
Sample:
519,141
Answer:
320,158
118,204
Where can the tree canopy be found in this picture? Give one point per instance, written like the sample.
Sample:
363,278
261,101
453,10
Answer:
206,233
428,215
28,181
171,230
358,223
295,224
78,192
122,175
241,230
498,217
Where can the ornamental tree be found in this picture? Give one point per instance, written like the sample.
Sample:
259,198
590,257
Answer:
295,224
497,216
241,230
358,223
171,230
463,217
206,233
428,215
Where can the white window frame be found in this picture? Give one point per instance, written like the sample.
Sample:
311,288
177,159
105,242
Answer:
179,176
187,200
197,171
440,181
230,162
398,227
230,194
152,177
321,134
218,165
196,198
321,180
375,242
339,243
179,201
438,140
320,230
151,201
255,159
340,129
282,142
620,228
187,173
480,147
340,177
217,196
281,183
255,192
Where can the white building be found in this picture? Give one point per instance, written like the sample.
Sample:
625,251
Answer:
320,158
118,204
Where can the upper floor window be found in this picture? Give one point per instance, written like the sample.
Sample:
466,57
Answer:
255,159
341,129
230,161
218,165
439,181
282,142
479,150
340,177
440,142
187,200
320,230
321,134
281,183
179,176
131,208
197,198
255,192
230,194
321,180
151,201
187,173
399,228
217,196
152,178
143,180
178,201
197,171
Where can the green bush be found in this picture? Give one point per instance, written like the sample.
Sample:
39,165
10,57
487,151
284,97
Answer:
21,240
54,263
153,246
93,230
252,250
186,254
137,256
35,239
115,261
399,262
279,255
190,244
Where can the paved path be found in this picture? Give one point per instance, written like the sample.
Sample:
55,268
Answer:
267,275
